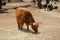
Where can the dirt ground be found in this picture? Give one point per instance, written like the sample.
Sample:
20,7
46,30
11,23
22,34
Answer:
49,28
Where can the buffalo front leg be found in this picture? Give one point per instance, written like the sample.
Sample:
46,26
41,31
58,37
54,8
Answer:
27,26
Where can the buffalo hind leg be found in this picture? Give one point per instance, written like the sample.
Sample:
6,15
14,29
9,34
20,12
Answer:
20,26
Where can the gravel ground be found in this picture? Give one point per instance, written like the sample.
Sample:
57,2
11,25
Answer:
49,28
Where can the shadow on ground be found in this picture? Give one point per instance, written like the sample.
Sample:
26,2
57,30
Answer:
29,31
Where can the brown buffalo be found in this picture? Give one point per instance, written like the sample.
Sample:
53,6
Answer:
23,15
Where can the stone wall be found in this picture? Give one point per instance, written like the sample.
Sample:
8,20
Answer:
11,1
19,0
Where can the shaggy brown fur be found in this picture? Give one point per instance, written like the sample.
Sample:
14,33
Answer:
25,16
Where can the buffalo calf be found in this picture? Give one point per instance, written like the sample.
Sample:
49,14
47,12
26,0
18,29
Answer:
23,15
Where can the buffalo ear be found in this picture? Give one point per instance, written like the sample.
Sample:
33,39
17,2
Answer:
34,23
37,24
